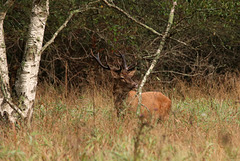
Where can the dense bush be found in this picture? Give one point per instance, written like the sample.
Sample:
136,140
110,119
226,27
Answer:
210,29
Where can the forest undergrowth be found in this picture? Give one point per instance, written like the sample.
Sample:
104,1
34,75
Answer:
204,124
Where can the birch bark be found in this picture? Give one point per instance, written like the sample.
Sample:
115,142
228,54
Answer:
28,74
158,54
5,108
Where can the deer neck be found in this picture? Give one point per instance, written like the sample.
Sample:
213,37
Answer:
120,93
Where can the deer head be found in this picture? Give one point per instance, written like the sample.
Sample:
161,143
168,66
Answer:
122,74
123,82
153,103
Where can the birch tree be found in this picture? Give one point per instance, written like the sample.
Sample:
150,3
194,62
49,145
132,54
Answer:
28,73
27,77
4,78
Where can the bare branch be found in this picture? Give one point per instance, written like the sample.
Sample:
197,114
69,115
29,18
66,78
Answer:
7,5
7,98
158,53
72,13
179,73
15,108
112,5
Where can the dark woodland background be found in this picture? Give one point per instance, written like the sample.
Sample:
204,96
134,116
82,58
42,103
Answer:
210,28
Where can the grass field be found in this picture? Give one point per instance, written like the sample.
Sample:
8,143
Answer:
204,125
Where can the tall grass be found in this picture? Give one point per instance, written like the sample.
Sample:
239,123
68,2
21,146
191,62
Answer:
204,125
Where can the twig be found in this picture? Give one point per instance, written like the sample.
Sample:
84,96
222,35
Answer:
72,13
112,5
179,73
7,5
14,107
7,99
158,53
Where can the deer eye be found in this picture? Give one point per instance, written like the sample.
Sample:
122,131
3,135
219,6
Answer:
123,79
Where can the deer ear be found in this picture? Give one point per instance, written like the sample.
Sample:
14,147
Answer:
115,74
131,73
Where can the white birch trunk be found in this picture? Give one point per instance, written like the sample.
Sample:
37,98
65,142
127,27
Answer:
28,76
5,108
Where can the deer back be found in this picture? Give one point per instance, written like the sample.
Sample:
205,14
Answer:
153,104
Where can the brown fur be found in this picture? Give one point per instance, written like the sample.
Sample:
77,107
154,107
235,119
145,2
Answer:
154,104
123,83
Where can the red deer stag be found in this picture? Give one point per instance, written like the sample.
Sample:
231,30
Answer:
153,103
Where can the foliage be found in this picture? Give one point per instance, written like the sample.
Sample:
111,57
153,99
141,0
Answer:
83,126
210,28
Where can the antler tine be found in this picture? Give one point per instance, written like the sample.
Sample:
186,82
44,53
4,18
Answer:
99,61
123,60
131,67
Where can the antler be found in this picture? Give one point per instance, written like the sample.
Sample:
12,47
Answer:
99,61
124,64
131,67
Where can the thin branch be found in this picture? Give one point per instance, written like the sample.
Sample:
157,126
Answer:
8,4
3,87
112,5
158,54
8,100
14,107
179,73
72,13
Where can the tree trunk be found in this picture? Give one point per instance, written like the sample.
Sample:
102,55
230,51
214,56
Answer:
5,108
26,83
28,74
